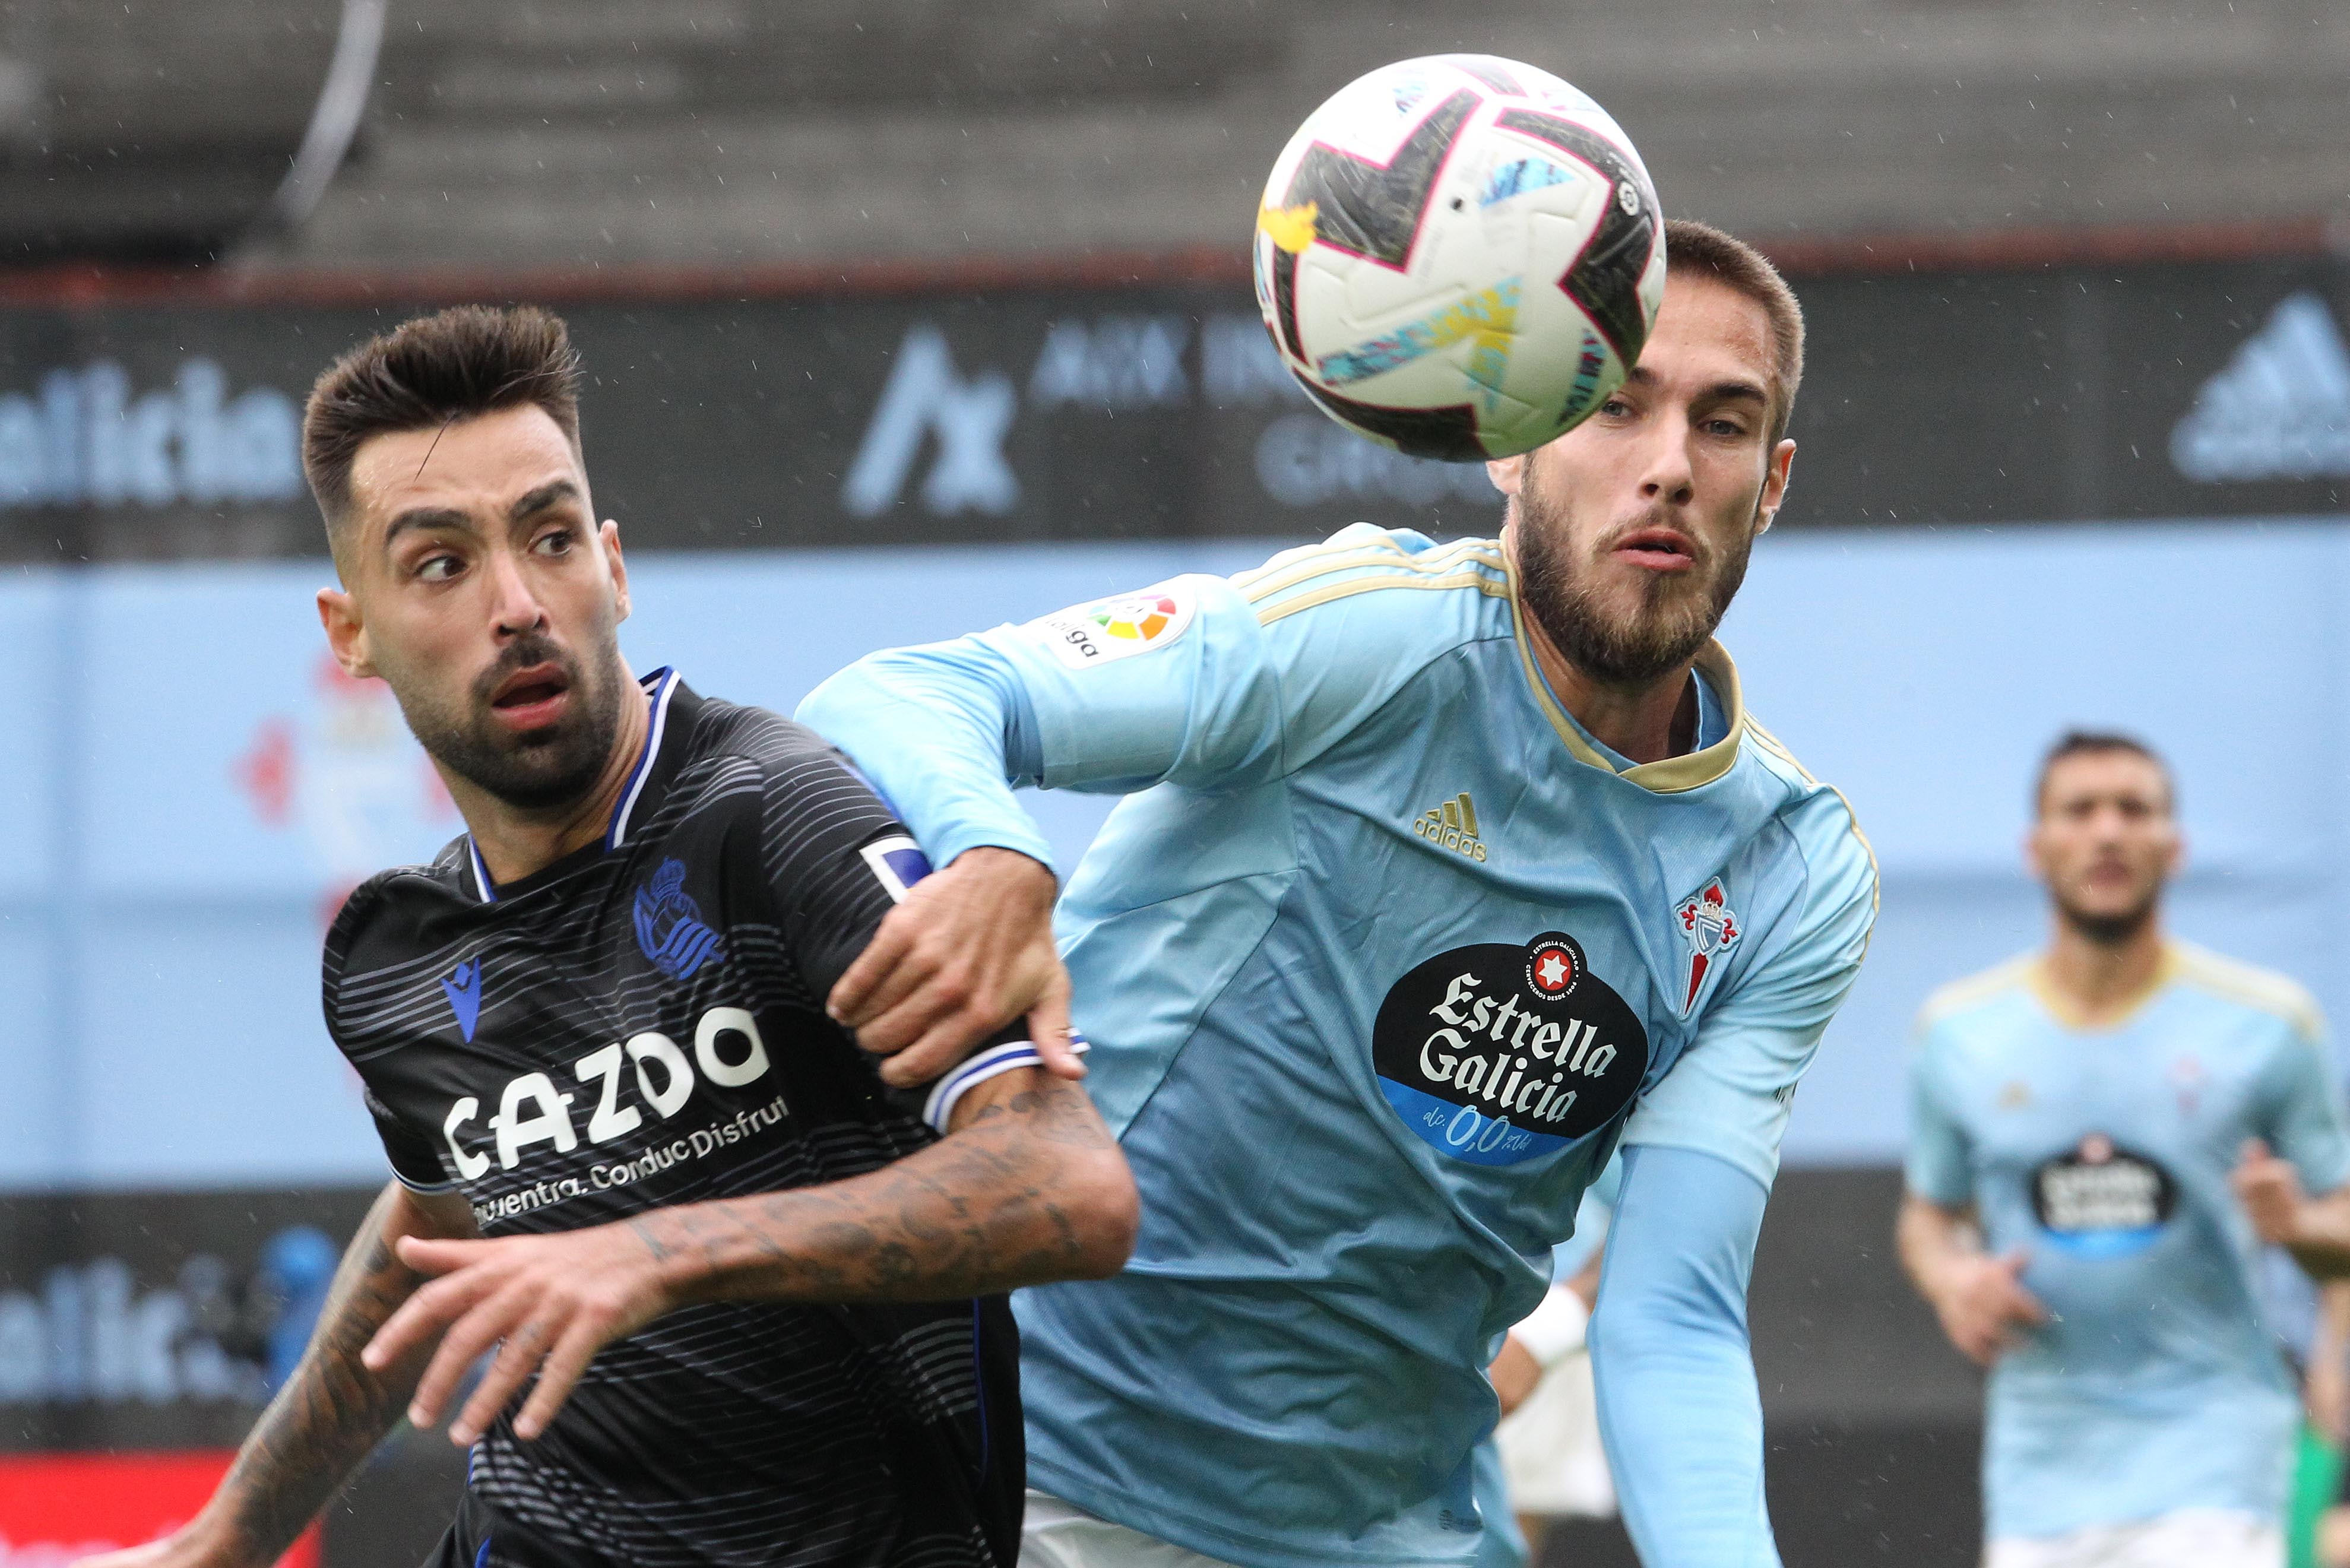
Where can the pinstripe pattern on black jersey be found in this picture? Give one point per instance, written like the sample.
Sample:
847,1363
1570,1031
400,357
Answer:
727,1433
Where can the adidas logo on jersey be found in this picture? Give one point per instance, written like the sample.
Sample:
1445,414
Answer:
2279,410
1452,825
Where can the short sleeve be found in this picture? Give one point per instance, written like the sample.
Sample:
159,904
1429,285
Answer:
2302,1108
1729,1094
1939,1166
415,1161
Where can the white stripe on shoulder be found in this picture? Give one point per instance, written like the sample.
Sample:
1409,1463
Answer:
2262,990
1965,995
1382,556
1771,745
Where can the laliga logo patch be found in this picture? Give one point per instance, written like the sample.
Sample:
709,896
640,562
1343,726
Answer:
2101,1200
1710,930
1498,1052
669,923
1115,629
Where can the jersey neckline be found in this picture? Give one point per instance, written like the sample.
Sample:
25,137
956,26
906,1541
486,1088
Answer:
2071,1020
645,781
1671,775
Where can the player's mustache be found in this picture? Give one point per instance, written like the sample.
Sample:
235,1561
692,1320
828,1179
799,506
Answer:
521,655
1655,517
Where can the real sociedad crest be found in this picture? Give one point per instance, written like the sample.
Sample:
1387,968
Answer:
669,923
1710,930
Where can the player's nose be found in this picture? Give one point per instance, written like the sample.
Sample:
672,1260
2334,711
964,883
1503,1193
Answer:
514,603
1666,474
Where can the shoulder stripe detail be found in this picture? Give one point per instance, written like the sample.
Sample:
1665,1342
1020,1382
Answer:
1355,537
1478,552
1958,996
1490,587
2263,991
1778,748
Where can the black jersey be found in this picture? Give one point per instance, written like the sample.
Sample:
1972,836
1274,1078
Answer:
640,1024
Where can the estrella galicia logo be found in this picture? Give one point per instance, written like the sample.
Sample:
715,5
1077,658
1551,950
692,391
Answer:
669,923
463,989
1497,1053
2101,1200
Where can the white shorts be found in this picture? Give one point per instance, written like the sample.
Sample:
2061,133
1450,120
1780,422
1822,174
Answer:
2190,1538
1057,1534
1550,1448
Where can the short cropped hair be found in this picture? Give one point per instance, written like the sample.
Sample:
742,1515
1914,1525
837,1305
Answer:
1701,250
429,372
2084,742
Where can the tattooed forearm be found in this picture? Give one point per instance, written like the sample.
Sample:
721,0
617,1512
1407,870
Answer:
333,1411
1032,1188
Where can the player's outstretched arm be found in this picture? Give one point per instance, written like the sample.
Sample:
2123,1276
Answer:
329,1415
1028,1186
1679,1412
1190,691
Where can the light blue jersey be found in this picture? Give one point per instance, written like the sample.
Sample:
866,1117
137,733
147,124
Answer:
1379,965
2105,1153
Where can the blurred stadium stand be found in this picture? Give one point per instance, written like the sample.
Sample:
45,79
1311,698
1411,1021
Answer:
722,131
2058,261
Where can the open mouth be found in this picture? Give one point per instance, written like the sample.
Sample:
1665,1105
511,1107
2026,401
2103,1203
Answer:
1658,549
532,697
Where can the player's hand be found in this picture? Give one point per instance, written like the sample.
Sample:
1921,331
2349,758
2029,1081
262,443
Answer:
2270,1189
1514,1373
969,950
554,1301
1984,1307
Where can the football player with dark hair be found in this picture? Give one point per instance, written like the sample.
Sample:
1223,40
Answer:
745,1301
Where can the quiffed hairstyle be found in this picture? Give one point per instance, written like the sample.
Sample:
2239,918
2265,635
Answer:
2083,743
429,372
1701,250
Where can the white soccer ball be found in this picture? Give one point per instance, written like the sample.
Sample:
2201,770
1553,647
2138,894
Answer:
1460,256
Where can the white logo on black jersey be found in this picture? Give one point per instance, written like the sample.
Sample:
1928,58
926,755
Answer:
2280,408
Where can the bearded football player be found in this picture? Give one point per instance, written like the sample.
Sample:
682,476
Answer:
742,1302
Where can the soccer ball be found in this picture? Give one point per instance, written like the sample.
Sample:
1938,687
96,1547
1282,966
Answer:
1460,256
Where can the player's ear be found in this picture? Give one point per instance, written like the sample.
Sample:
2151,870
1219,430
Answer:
611,531
1775,484
345,629
1504,473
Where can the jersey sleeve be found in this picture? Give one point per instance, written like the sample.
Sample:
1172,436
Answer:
835,862
415,1161
2302,1108
1940,1165
1729,1093
1196,681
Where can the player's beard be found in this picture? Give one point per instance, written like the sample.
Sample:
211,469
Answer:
2110,928
545,770
1675,616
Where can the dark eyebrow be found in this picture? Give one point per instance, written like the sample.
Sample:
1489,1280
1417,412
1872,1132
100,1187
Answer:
426,517
539,500
1732,391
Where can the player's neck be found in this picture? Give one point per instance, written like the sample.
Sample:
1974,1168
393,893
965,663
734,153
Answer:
514,843
1647,723
2099,981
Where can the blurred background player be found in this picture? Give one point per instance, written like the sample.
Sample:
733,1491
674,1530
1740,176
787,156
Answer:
2070,1216
1366,1062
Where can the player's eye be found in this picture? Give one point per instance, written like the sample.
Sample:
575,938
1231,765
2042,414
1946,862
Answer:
438,568
555,542
1616,408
